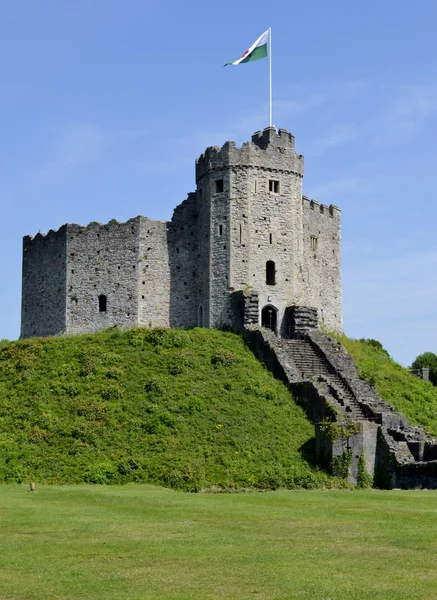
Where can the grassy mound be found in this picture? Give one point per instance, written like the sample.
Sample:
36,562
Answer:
415,398
186,409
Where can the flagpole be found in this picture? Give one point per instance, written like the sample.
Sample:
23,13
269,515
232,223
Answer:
270,74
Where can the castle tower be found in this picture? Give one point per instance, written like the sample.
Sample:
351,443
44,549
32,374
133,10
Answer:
250,199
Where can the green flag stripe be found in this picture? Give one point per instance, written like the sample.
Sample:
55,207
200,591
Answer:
258,52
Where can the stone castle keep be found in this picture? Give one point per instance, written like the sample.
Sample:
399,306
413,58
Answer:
246,227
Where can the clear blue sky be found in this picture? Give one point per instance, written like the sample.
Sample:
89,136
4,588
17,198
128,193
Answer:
104,106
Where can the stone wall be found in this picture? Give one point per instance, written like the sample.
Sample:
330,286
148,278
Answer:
219,241
102,260
153,274
301,319
43,310
202,258
322,266
184,265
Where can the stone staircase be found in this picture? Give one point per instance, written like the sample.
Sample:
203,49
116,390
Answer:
322,375
315,368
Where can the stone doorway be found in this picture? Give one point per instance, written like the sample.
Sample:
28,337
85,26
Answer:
269,317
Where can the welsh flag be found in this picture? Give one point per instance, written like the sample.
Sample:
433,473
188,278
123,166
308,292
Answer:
257,50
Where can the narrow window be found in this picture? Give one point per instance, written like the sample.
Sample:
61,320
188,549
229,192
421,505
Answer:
200,193
270,273
271,238
313,242
219,186
241,234
200,316
102,303
220,229
274,186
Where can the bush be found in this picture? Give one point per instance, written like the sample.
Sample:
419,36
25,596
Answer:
374,344
427,360
104,472
364,480
224,358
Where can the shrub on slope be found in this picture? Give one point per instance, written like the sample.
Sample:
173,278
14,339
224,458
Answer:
186,409
415,398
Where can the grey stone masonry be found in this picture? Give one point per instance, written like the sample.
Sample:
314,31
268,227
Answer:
43,302
102,261
247,227
302,319
324,379
422,373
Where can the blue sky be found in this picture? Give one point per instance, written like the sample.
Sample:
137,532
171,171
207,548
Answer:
105,105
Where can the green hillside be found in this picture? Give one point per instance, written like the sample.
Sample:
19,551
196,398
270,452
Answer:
185,409
415,398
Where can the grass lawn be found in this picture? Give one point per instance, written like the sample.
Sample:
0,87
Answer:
141,542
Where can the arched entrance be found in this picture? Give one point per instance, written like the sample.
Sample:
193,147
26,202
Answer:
269,317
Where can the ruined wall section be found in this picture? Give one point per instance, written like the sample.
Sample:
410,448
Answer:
185,264
322,256
43,310
153,274
102,260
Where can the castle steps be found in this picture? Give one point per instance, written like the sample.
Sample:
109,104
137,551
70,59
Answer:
323,377
319,371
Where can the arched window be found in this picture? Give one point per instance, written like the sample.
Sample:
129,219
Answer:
102,303
270,273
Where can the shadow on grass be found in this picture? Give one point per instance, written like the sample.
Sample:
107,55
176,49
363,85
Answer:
308,452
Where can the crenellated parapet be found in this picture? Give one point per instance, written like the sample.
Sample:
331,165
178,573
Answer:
312,205
268,150
51,235
271,137
96,226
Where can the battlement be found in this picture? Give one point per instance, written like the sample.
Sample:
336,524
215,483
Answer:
331,210
269,149
278,139
51,234
74,228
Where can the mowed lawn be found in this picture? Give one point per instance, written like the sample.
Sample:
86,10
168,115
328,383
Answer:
141,542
